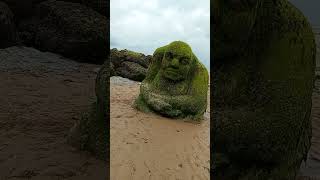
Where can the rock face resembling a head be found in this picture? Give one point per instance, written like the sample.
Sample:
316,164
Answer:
176,84
177,61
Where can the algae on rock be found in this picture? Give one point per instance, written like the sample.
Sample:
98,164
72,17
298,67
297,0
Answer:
263,74
176,84
129,64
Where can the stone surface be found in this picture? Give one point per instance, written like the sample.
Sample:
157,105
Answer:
92,132
66,28
129,64
8,32
132,71
263,77
176,84
23,9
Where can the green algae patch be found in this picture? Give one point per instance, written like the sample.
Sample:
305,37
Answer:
176,84
134,54
263,75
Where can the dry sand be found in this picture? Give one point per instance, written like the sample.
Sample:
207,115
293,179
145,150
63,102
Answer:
148,146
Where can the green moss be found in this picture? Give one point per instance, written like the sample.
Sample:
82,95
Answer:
133,54
262,93
176,84
141,105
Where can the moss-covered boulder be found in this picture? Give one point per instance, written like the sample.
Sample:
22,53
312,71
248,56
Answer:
92,132
8,32
263,74
176,84
129,64
132,71
70,29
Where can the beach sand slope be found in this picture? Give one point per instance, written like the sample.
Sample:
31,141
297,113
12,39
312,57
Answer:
149,146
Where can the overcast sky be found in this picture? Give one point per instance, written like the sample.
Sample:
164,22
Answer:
144,25
310,8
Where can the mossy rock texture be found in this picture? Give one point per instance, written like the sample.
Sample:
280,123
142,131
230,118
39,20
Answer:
91,132
23,9
70,29
176,84
8,32
262,81
129,64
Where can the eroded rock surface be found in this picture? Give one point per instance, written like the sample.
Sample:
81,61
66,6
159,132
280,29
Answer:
8,31
84,36
176,84
263,72
129,64
91,132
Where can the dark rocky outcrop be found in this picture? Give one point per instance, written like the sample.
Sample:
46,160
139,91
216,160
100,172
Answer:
262,77
23,9
132,71
66,28
129,64
8,33
78,30
101,6
91,132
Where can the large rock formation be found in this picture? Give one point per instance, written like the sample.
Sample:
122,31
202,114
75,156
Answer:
70,29
101,6
8,32
24,8
263,74
129,64
92,132
176,84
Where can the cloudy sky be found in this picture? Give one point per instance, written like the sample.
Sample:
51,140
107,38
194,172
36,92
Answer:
144,25
310,8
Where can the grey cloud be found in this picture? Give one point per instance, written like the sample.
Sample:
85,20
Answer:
310,9
143,26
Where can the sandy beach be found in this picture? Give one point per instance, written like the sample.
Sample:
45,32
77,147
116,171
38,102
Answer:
148,146
42,95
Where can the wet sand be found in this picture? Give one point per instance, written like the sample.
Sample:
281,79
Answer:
42,95
149,146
